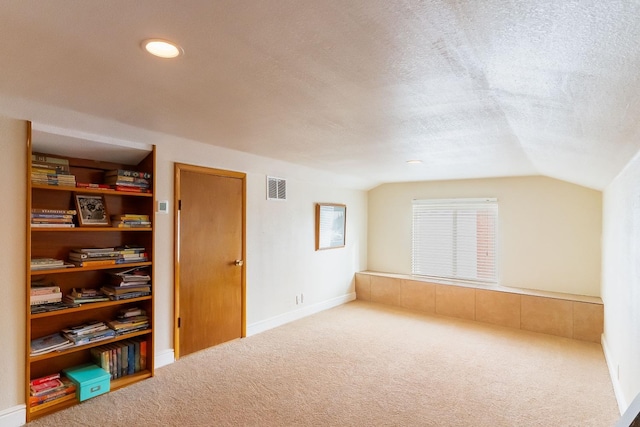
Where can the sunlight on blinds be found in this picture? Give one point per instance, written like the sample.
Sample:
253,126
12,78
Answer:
455,239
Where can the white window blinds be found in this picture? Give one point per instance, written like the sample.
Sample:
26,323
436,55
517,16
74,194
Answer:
455,239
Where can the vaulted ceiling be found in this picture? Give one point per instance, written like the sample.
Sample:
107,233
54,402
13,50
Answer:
472,88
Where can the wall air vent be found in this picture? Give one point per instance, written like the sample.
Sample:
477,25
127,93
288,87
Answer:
276,188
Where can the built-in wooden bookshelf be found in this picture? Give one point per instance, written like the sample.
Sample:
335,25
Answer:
58,242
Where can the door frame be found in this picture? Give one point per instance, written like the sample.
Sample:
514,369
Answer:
178,168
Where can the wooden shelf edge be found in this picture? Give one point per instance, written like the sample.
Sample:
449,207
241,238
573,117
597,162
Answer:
37,411
92,229
97,267
129,379
90,190
54,354
88,306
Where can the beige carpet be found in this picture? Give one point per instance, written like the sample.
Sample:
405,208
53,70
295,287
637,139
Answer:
363,364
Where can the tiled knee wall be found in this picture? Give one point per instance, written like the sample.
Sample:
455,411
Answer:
580,318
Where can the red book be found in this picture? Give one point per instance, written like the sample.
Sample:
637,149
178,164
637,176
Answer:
46,387
143,355
130,189
92,185
44,379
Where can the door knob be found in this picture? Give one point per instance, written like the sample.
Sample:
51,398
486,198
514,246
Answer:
239,262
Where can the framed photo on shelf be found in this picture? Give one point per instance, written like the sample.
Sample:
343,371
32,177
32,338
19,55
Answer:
92,210
331,219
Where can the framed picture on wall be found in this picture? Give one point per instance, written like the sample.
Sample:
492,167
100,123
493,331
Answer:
92,210
331,220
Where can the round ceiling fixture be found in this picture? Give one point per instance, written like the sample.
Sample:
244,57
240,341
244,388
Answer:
162,48
414,162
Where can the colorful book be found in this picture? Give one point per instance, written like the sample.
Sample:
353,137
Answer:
45,387
63,395
92,185
131,189
41,380
128,173
54,211
94,263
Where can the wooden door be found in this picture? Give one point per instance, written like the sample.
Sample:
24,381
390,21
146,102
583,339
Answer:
209,258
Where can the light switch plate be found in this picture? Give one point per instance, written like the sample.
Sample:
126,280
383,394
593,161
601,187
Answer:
163,206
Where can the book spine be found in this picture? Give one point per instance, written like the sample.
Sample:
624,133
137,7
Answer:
93,263
130,173
45,301
131,189
92,185
52,220
69,395
51,215
143,355
136,352
55,211
43,158
113,361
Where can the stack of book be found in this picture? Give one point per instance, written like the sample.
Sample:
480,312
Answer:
122,358
44,293
130,253
128,180
130,221
130,320
48,170
44,263
131,276
87,257
49,343
126,291
126,284
91,257
50,390
88,333
85,295
52,217
45,308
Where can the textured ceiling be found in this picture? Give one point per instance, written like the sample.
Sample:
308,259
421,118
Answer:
473,88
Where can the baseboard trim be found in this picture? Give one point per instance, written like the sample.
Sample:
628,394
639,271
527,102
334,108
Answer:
164,358
13,417
273,322
167,357
613,373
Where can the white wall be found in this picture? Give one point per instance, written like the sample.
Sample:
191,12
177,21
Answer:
13,155
281,258
549,230
621,281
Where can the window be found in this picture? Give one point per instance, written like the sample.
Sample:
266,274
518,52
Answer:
455,239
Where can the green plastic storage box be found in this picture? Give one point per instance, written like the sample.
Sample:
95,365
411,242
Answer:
90,380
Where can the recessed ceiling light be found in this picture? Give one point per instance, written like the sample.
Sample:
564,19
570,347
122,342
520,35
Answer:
414,162
162,48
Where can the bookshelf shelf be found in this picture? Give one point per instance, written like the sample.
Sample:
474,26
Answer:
129,379
94,268
87,306
57,242
87,346
92,230
88,190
